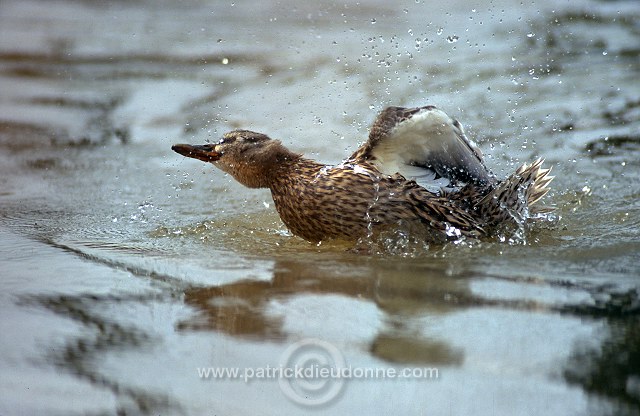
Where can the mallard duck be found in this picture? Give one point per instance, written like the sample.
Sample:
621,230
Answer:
418,169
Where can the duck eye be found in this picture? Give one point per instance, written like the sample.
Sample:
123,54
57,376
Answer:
226,140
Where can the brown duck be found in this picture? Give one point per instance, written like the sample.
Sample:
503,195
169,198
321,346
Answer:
418,170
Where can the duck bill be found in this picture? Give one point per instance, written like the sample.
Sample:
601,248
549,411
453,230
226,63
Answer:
204,152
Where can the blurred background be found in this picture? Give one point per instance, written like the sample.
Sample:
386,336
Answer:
125,267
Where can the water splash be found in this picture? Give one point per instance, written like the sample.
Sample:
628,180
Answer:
452,232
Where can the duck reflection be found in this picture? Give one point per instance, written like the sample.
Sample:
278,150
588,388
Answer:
241,308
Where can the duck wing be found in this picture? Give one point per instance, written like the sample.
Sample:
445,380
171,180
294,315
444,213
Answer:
426,145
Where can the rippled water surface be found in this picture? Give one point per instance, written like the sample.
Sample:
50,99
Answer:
126,267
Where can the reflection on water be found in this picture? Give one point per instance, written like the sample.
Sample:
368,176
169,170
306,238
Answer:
611,368
79,355
125,267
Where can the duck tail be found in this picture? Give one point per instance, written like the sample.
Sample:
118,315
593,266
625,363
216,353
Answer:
515,197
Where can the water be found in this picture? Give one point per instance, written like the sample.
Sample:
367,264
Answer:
126,267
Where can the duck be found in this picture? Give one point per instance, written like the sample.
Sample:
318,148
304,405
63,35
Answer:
417,171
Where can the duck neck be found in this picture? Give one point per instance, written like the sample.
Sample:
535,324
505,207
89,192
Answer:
291,172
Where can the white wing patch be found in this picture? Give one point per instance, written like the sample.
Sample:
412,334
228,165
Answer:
426,178
430,148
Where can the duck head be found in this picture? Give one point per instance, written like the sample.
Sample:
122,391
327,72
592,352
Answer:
253,159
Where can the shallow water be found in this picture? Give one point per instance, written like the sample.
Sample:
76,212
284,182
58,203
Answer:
126,267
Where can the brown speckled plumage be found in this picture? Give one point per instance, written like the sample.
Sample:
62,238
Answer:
355,199
352,200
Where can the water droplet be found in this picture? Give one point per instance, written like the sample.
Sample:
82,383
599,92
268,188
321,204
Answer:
530,35
452,39
225,61
604,53
373,21
439,31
